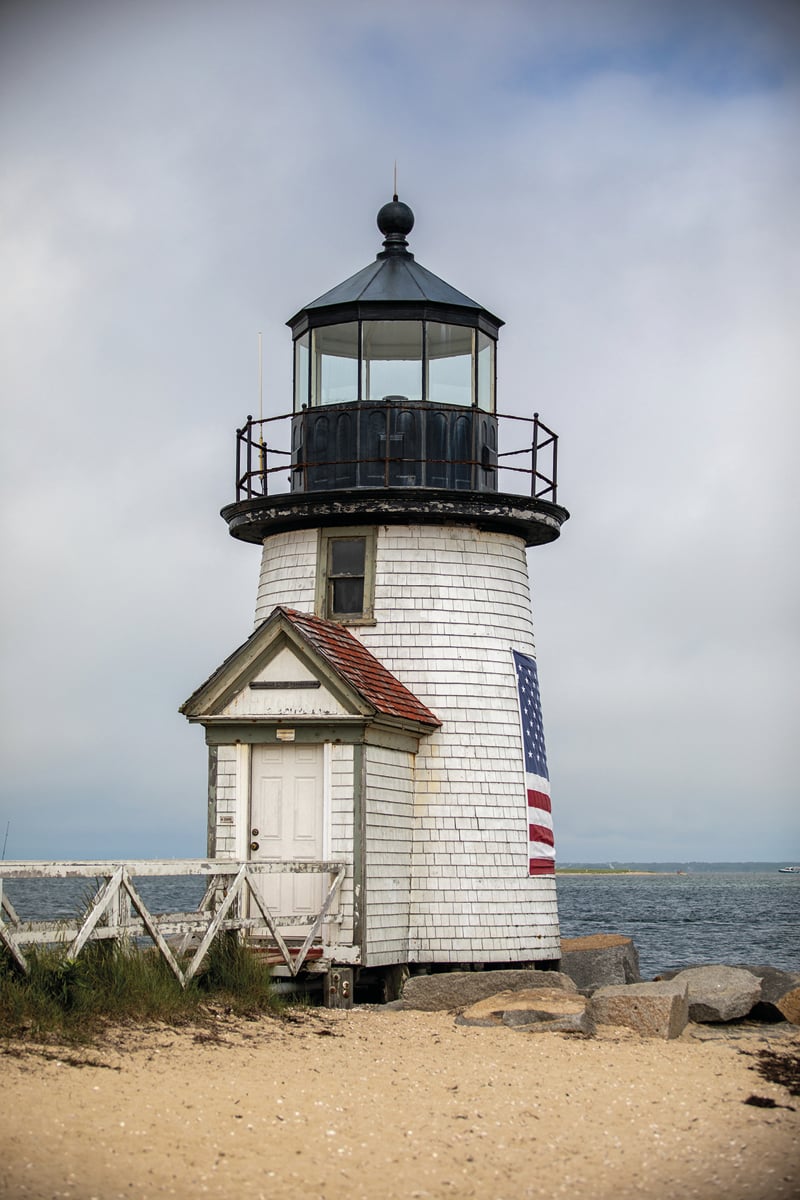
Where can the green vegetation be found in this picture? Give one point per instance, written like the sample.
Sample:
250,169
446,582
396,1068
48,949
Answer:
110,982
596,871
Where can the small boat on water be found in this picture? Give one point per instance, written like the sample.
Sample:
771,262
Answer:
789,870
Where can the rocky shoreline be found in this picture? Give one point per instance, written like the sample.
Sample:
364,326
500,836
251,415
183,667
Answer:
599,984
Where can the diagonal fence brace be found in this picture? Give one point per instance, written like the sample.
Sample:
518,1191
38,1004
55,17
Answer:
270,923
151,926
99,905
312,933
214,927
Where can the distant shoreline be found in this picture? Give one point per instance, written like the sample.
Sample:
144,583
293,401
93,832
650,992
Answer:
612,871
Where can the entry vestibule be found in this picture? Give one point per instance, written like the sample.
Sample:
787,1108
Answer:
311,750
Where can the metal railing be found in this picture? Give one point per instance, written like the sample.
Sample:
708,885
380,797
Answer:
265,469
117,909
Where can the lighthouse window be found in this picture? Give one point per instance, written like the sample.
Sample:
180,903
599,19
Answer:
334,364
392,360
345,580
450,378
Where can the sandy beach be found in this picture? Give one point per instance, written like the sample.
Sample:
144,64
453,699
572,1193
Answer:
394,1104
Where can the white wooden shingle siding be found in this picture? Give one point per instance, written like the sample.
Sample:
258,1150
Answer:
450,604
291,572
389,838
341,835
226,806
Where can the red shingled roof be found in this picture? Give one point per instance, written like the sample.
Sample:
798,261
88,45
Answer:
360,668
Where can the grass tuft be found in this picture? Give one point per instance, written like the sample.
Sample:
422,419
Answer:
115,982
233,972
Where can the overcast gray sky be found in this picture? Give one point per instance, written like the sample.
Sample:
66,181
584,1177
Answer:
620,181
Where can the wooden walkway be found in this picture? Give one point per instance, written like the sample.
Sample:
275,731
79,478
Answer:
117,910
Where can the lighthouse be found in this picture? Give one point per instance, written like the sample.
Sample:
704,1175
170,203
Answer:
375,744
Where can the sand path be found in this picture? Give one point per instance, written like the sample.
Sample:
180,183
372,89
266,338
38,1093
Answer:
392,1104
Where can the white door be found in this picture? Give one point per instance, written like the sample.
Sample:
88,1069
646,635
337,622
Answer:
286,822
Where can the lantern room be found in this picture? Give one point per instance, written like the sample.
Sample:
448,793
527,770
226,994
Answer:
394,414
394,366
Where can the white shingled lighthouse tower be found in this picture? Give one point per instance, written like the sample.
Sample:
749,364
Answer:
377,740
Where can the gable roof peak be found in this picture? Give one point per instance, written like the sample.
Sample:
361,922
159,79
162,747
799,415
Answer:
351,659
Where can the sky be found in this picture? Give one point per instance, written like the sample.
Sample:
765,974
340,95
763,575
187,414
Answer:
618,180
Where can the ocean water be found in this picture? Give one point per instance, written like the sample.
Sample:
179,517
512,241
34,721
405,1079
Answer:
676,920
680,920
64,899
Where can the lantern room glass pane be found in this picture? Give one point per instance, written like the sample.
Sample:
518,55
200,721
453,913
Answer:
301,358
485,372
334,364
392,360
450,365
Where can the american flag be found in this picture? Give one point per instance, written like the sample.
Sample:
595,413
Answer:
541,850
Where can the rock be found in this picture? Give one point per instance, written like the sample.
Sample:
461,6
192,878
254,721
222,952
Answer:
533,1010
600,961
652,1009
456,989
580,1024
718,993
774,986
789,1006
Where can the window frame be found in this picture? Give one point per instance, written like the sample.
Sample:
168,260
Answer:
322,605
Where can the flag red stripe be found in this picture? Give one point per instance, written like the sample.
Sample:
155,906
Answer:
542,866
539,800
540,833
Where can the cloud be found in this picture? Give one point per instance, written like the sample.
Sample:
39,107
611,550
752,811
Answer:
619,182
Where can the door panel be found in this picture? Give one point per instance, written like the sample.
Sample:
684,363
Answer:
271,823
304,812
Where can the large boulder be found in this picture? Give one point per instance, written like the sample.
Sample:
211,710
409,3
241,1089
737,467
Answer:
652,1009
449,990
774,986
602,960
533,1010
789,1006
718,993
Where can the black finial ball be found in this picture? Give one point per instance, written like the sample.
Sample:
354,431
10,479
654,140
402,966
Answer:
395,217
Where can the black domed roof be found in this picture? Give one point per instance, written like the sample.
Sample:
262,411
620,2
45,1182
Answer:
395,279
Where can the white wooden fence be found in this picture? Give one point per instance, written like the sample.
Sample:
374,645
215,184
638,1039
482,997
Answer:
117,910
